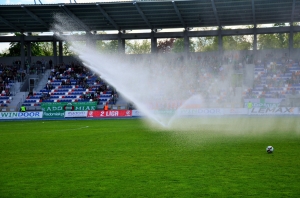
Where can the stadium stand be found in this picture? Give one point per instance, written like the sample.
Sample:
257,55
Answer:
8,75
275,79
72,83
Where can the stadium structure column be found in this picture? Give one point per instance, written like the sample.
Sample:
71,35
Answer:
29,49
153,43
28,52
254,41
60,52
90,40
220,42
54,51
291,39
121,44
186,42
22,50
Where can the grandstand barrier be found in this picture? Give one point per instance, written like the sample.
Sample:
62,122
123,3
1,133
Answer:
21,115
256,111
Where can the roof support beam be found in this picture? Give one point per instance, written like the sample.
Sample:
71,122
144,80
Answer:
229,32
34,16
75,18
253,13
10,24
142,14
107,17
293,12
178,14
215,12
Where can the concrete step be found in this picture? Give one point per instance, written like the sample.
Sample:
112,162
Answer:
17,100
43,81
121,100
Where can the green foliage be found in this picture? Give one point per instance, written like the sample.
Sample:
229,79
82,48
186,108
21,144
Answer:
37,49
66,49
206,44
124,158
165,45
178,45
174,45
107,46
237,42
138,47
273,41
297,40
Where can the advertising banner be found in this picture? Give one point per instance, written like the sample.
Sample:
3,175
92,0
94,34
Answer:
273,111
110,113
183,112
261,102
21,115
202,111
76,114
137,113
235,111
57,109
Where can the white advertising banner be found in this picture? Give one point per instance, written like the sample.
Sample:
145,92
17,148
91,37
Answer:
137,113
197,112
273,111
76,114
235,111
21,115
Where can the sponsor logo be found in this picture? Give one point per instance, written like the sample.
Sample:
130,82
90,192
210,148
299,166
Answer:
74,114
275,110
17,115
200,112
54,114
110,113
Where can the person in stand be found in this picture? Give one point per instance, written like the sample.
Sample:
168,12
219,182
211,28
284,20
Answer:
250,105
23,108
106,107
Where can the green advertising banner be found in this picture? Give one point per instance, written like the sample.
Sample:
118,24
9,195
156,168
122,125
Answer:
57,109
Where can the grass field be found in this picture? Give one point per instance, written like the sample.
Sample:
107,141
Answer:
126,158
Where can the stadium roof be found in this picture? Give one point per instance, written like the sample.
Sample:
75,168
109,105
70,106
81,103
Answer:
147,14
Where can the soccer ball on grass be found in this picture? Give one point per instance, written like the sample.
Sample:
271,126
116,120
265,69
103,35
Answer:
270,149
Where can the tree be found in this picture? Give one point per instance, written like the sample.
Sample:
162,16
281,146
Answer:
205,44
297,40
107,46
138,47
178,45
165,45
237,42
37,49
273,41
66,49
46,48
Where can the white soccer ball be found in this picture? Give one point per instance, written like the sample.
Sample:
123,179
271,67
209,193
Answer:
270,149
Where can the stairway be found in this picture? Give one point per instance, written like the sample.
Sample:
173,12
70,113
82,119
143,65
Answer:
19,96
249,75
42,82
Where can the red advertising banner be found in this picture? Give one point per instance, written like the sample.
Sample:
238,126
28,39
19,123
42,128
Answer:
110,113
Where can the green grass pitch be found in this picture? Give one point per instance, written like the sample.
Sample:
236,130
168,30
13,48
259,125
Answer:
127,158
